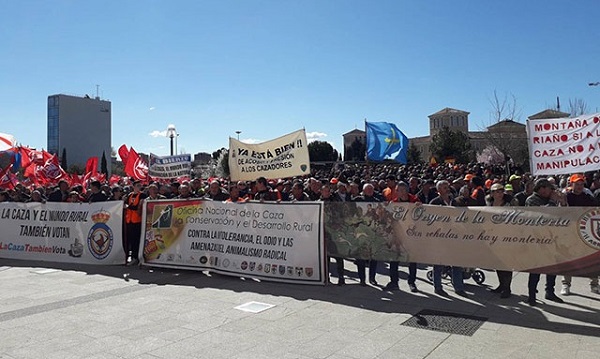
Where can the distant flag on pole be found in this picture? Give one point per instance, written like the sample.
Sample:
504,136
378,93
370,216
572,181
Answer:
7,142
386,141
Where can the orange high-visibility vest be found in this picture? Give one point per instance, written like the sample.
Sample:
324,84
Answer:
133,215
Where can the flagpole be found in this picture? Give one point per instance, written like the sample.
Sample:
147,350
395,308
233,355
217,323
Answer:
366,150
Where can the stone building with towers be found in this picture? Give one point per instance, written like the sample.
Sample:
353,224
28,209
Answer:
458,120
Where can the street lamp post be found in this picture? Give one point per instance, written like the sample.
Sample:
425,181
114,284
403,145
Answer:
238,134
171,133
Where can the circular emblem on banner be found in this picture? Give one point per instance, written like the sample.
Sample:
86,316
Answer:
589,228
100,240
100,237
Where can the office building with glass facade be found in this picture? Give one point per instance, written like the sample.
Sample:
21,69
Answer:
81,126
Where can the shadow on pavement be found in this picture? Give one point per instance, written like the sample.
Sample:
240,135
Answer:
512,311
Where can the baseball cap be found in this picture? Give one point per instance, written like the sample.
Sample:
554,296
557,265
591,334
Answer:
488,183
576,177
496,187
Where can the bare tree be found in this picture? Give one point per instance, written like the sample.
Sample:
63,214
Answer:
504,109
577,107
505,132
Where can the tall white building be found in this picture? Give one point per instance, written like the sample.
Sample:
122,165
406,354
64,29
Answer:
82,126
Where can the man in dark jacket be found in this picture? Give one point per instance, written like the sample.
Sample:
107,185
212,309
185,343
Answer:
544,195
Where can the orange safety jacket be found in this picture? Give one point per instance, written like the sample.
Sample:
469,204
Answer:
133,213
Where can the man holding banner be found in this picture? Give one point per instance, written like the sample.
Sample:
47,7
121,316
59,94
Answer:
577,197
544,195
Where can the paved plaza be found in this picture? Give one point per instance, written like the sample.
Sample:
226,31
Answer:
61,311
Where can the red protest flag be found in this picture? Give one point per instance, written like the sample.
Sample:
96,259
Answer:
91,166
123,153
135,166
51,170
6,180
76,180
46,156
26,156
114,179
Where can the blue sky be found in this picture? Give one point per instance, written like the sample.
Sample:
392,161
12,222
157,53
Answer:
267,68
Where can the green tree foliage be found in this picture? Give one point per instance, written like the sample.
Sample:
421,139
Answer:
356,152
76,169
413,155
103,165
217,154
454,144
321,151
118,168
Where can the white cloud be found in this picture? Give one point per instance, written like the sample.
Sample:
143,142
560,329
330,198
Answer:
314,136
157,133
251,140
152,108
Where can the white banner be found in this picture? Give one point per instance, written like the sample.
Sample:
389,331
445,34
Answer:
564,145
169,166
286,156
89,233
270,241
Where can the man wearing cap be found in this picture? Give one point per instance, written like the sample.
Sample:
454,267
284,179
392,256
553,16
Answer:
196,187
153,192
515,182
544,195
216,192
578,197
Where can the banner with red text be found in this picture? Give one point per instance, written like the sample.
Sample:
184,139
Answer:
564,145
556,240
270,241
286,156
89,233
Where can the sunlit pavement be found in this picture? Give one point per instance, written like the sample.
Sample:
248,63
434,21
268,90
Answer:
63,311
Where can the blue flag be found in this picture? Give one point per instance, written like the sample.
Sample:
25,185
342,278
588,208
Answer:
386,141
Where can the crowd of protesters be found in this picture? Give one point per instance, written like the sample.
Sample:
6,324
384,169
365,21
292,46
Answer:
448,184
